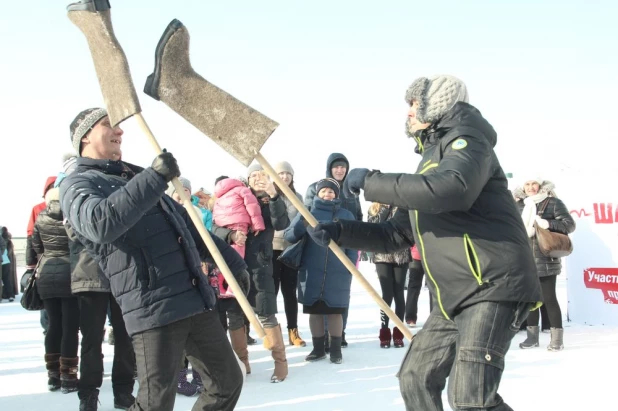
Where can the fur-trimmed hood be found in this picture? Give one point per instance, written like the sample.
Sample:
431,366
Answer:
547,187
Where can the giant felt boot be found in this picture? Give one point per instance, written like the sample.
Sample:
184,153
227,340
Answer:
230,123
68,374
52,363
239,345
278,353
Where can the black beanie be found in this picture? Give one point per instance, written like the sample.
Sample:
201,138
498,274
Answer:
330,183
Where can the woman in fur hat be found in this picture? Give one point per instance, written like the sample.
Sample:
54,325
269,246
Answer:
538,204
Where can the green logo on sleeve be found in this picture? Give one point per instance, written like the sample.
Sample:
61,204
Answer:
459,144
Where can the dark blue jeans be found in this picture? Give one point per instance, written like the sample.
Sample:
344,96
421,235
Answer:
469,349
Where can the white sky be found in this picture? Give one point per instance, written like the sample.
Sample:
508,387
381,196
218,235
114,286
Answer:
333,74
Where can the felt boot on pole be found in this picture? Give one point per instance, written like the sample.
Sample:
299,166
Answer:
230,123
94,20
236,127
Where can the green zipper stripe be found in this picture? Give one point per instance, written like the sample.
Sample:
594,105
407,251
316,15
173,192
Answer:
418,231
429,167
476,271
420,144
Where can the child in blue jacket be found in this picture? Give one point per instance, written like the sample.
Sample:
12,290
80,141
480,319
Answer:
327,290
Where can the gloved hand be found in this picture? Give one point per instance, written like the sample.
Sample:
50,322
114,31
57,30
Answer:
242,277
324,232
542,223
166,166
355,181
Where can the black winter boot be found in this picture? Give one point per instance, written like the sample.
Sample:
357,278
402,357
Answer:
68,374
318,350
88,401
335,350
52,363
532,339
123,401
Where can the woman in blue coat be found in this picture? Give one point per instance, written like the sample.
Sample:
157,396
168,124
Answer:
328,282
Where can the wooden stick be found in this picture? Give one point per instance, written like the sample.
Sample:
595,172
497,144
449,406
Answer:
212,247
333,246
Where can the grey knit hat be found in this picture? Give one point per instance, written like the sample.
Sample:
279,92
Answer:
284,167
185,183
83,123
436,96
253,167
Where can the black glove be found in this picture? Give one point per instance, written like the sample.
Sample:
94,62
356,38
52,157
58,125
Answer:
324,232
166,166
244,281
355,181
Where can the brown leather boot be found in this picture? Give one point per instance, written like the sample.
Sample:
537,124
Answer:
68,374
239,345
295,339
52,363
278,353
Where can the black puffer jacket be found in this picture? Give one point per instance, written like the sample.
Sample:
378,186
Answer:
50,241
466,225
398,257
259,254
143,242
560,220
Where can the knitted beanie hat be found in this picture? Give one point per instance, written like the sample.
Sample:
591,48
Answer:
253,167
83,123
185,183
284,166
436,96
330,183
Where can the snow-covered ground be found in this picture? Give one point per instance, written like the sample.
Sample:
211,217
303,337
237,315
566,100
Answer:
582,377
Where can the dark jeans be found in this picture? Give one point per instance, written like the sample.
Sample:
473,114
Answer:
7,278
229,308
159,354
550,302
63,333
469,349
93,313
287,278
392,282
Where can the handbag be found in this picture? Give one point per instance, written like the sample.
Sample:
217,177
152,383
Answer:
551,244
24,279
30,299
292,256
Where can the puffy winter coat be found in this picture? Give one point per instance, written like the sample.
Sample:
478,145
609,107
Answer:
31,256
398,257
463,217
327,277
143,240
236,204
348,201
279,242
50,241
259,254
560,220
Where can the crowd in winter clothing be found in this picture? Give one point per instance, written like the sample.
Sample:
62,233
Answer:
116,241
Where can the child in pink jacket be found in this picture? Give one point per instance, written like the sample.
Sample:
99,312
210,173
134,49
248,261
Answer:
237,208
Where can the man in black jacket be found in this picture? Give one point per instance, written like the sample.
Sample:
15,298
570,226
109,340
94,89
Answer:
151,253
473,245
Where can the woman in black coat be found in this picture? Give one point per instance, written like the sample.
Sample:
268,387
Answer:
51,242
539,205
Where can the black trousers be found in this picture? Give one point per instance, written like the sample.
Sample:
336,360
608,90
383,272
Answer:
63,332
287,279
392,281
415,285
7,278
93,312
550,301
159,353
